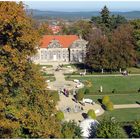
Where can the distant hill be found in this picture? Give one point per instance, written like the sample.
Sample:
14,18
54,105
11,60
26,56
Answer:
37,14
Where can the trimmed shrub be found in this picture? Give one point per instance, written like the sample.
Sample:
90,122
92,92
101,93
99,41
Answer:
86,91
79,96
91,114
109,106
55,96
60,115
105,100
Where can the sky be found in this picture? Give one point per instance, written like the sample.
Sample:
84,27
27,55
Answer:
71,6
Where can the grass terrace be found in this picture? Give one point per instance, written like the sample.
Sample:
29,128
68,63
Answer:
118,98
49,76
118,84
123,115
133,70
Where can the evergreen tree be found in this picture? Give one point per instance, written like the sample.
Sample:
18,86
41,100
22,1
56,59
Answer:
107,22
71,130
136,129
105,16
26,109
108,128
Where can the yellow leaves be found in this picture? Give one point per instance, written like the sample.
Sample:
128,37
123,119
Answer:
7,48
5,91
9,124
1,105
22,78
2,69
15,60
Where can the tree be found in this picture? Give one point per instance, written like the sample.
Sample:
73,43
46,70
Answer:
79,96
60,115
107,22
81,28
71,130
105,100
108,128
97,51
105,16
44,29
122,43
26,107
136,130
109,106
91,114
136,33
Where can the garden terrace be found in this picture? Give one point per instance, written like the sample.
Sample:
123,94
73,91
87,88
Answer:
110,84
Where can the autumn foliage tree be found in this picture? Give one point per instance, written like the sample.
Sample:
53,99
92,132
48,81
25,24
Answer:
44,29
79,27
97,50
113,51
123,46
136,24
26,109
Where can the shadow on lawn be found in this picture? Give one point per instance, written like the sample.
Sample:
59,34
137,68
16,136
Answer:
137,102
100,101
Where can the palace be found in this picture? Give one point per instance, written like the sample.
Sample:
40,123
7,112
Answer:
61,48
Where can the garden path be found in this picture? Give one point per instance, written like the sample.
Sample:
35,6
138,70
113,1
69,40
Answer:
104,75
60,82
77,116
126,106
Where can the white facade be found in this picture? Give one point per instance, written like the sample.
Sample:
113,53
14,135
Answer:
56,52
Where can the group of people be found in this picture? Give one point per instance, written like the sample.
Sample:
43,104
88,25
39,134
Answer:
66,92
125,73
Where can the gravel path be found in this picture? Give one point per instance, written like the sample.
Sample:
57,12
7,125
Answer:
126,106
105,75
77,116
60,82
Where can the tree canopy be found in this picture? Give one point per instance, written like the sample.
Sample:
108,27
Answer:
113,51
136,129
27,110
71,130
136,25
106,21
108,128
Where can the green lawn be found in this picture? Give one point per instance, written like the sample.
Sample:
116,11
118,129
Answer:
51,78
123,115
133,70
119,98
121,84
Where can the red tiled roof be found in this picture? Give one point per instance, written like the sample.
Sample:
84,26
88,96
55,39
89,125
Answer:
64,40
